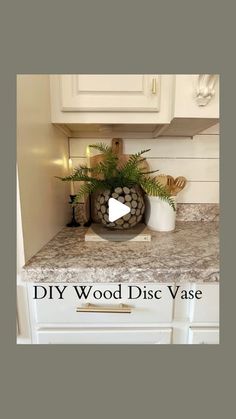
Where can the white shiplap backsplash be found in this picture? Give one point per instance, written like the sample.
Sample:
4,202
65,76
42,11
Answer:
197,159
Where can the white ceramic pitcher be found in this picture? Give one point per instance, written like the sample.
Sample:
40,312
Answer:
159,215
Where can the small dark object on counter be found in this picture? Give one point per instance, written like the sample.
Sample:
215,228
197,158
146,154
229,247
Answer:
73,222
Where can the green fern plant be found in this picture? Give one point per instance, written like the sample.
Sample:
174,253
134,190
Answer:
108,174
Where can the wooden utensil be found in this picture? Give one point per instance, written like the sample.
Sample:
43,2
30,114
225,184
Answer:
179,184
162,179
170,183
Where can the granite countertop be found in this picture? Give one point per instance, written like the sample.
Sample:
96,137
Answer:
189,254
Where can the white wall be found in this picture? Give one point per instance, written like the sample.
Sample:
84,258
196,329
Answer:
42,154
22,319
197,159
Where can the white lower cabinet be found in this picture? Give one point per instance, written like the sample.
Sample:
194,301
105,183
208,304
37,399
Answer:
106,313
198,335
207,308
107,336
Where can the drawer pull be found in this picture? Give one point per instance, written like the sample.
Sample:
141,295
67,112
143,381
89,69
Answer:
92,308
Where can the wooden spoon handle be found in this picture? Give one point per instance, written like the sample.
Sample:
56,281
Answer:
170,183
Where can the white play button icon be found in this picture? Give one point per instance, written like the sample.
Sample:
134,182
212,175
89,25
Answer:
116,210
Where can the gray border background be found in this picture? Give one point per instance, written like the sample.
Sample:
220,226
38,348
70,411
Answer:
116,37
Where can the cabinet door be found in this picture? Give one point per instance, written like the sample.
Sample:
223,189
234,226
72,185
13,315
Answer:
205,310
114,336
203,335
106,92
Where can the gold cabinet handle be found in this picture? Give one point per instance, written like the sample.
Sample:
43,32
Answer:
154,85
92,308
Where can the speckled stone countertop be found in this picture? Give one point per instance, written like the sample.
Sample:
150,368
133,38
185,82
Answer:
189,254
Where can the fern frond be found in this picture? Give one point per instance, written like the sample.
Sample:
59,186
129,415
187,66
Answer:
108,167
109,173
131,168
85,168
77,176
102,147
153,188
90,187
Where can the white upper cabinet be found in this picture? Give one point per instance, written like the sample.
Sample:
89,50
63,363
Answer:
115,104
111,93
111,98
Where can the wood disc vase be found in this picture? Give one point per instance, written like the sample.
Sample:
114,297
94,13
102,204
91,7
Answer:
132,197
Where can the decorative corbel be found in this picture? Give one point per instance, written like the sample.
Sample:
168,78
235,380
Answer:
205,88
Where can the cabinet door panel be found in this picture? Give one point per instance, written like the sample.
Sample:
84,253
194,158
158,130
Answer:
110,92
206,310
109,83
203,336
115,336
